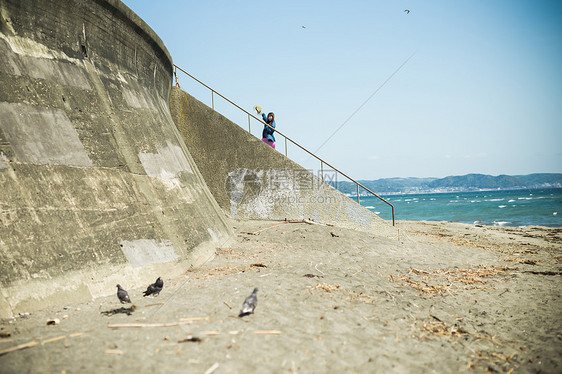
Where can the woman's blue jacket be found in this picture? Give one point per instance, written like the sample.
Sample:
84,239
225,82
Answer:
267,130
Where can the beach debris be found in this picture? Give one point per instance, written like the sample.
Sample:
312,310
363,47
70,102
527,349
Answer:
5,333
54,321
334,235
154,304
212,332
227,304
249,304
327,287
318,270
267,332
113,351
435,326
553,273
214,367
18,347
128,311
523,261
442,281
250,233
258,265
141,325
122,295
154,288
53,339
192,339
312,276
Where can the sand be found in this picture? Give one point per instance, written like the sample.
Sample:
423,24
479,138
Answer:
446,298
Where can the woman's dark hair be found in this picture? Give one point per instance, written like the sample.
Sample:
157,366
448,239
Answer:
272,115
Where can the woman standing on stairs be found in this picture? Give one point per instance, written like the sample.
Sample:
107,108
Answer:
267,133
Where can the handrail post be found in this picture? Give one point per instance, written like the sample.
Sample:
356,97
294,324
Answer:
176,75
358,202
249,125
286,147
322,170
213,98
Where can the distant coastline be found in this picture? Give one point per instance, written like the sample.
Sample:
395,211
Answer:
463,183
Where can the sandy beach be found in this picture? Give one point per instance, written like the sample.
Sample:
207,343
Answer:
444,298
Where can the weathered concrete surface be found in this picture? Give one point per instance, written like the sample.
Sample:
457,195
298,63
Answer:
250,180
97,186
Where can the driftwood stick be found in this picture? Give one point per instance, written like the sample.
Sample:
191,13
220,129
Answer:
194,319
18,347
270,332
212,368
168,324
53,339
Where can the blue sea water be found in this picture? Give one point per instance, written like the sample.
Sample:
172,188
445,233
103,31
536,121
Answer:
498,208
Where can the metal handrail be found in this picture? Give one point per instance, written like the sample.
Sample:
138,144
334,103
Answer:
283,135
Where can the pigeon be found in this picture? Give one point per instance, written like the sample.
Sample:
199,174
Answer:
122,295
154,288
249,304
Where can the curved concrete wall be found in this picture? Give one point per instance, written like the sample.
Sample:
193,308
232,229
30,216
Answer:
98,187
250,180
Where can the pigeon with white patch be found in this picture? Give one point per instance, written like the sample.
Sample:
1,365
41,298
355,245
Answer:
249,304
154,288
122,295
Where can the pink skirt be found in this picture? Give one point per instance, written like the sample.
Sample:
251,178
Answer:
272,144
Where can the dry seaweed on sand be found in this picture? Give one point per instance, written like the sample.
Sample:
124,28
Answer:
433,326
493,361
441,281
327,287
128,311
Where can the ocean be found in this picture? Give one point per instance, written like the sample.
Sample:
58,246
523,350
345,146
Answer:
514,208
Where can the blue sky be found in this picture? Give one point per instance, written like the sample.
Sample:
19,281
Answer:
481,93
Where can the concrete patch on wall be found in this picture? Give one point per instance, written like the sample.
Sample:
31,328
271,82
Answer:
17,61
244,187
143,252
139,100
166,163
42,136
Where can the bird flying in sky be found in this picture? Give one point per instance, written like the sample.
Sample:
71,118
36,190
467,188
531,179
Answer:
407,11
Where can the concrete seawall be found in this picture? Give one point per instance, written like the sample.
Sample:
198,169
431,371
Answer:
250,180
98,187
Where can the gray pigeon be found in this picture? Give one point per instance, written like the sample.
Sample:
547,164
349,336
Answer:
122,295
249,304
154,288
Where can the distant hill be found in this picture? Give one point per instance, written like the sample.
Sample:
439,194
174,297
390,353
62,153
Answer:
467,182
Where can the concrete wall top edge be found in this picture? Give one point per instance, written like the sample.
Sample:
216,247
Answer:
140,27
